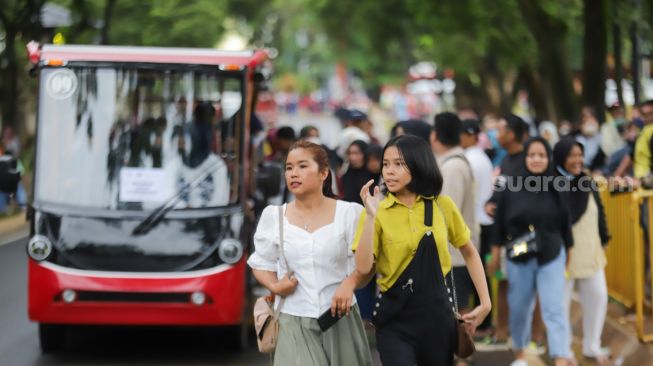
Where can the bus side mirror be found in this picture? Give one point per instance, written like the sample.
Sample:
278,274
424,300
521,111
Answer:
9,175
268,179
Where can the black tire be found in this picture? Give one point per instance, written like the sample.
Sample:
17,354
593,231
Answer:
52,338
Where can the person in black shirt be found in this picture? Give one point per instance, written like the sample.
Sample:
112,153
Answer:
532,203
357,174
512,132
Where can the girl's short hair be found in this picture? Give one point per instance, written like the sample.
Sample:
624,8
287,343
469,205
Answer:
420,162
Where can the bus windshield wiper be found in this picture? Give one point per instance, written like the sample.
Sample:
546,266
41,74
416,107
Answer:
159,213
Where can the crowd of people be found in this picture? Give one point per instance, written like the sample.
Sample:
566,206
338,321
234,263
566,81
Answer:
519,196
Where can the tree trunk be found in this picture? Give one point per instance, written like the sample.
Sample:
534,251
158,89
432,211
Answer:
550,36
469,95
635,63
616,44
492,80
594,55
10,81
108,11
531,80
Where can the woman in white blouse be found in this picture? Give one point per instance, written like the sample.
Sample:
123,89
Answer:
318,235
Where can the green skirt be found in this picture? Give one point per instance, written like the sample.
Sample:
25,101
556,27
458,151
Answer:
302,343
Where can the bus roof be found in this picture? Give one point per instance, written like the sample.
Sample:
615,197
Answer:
166,55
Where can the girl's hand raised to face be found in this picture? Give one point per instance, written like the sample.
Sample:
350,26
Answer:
371,201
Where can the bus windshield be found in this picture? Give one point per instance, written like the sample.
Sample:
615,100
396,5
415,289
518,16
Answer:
130,139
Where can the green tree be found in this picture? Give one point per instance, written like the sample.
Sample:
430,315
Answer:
19,20
179,23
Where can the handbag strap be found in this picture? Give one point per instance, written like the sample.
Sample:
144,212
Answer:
283,254
453,281
277,311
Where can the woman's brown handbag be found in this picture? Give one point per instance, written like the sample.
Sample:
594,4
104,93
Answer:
465,343
465,346
266,318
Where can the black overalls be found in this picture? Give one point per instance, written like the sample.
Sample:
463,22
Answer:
414,318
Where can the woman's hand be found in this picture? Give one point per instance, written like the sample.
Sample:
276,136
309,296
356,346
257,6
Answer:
371,201
285,286
474,318
342,299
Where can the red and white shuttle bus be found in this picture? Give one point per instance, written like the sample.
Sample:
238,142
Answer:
141,178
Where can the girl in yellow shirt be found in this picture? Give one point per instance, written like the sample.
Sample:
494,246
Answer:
403,237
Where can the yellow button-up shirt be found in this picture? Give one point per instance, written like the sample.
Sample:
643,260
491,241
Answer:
398,230
642,163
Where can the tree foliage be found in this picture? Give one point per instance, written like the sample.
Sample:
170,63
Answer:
495,47
197,23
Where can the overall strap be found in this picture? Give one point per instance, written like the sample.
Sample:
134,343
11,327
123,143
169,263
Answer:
453,281
428,212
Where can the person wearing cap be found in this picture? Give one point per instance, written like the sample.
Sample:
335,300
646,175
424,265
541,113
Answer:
618,115
353,131
482,171
611,139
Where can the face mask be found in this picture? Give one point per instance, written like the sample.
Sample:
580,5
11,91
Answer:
564,131
590,129
492,136
619,122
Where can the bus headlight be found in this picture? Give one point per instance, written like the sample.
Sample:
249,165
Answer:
198,298
69,296
39,248
230,251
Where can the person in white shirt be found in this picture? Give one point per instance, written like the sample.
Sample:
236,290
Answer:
482,171
320,274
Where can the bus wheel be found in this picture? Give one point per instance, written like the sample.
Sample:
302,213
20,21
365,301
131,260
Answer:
52,337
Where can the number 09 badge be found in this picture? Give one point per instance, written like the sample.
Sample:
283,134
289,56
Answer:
61,84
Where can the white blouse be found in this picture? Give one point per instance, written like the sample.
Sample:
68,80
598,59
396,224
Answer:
321,260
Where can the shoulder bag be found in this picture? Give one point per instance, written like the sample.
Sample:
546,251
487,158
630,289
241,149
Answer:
266,318
522,247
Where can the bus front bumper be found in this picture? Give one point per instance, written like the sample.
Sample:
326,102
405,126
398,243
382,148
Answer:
120,298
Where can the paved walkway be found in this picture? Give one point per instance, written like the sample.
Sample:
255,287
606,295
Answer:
13,228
